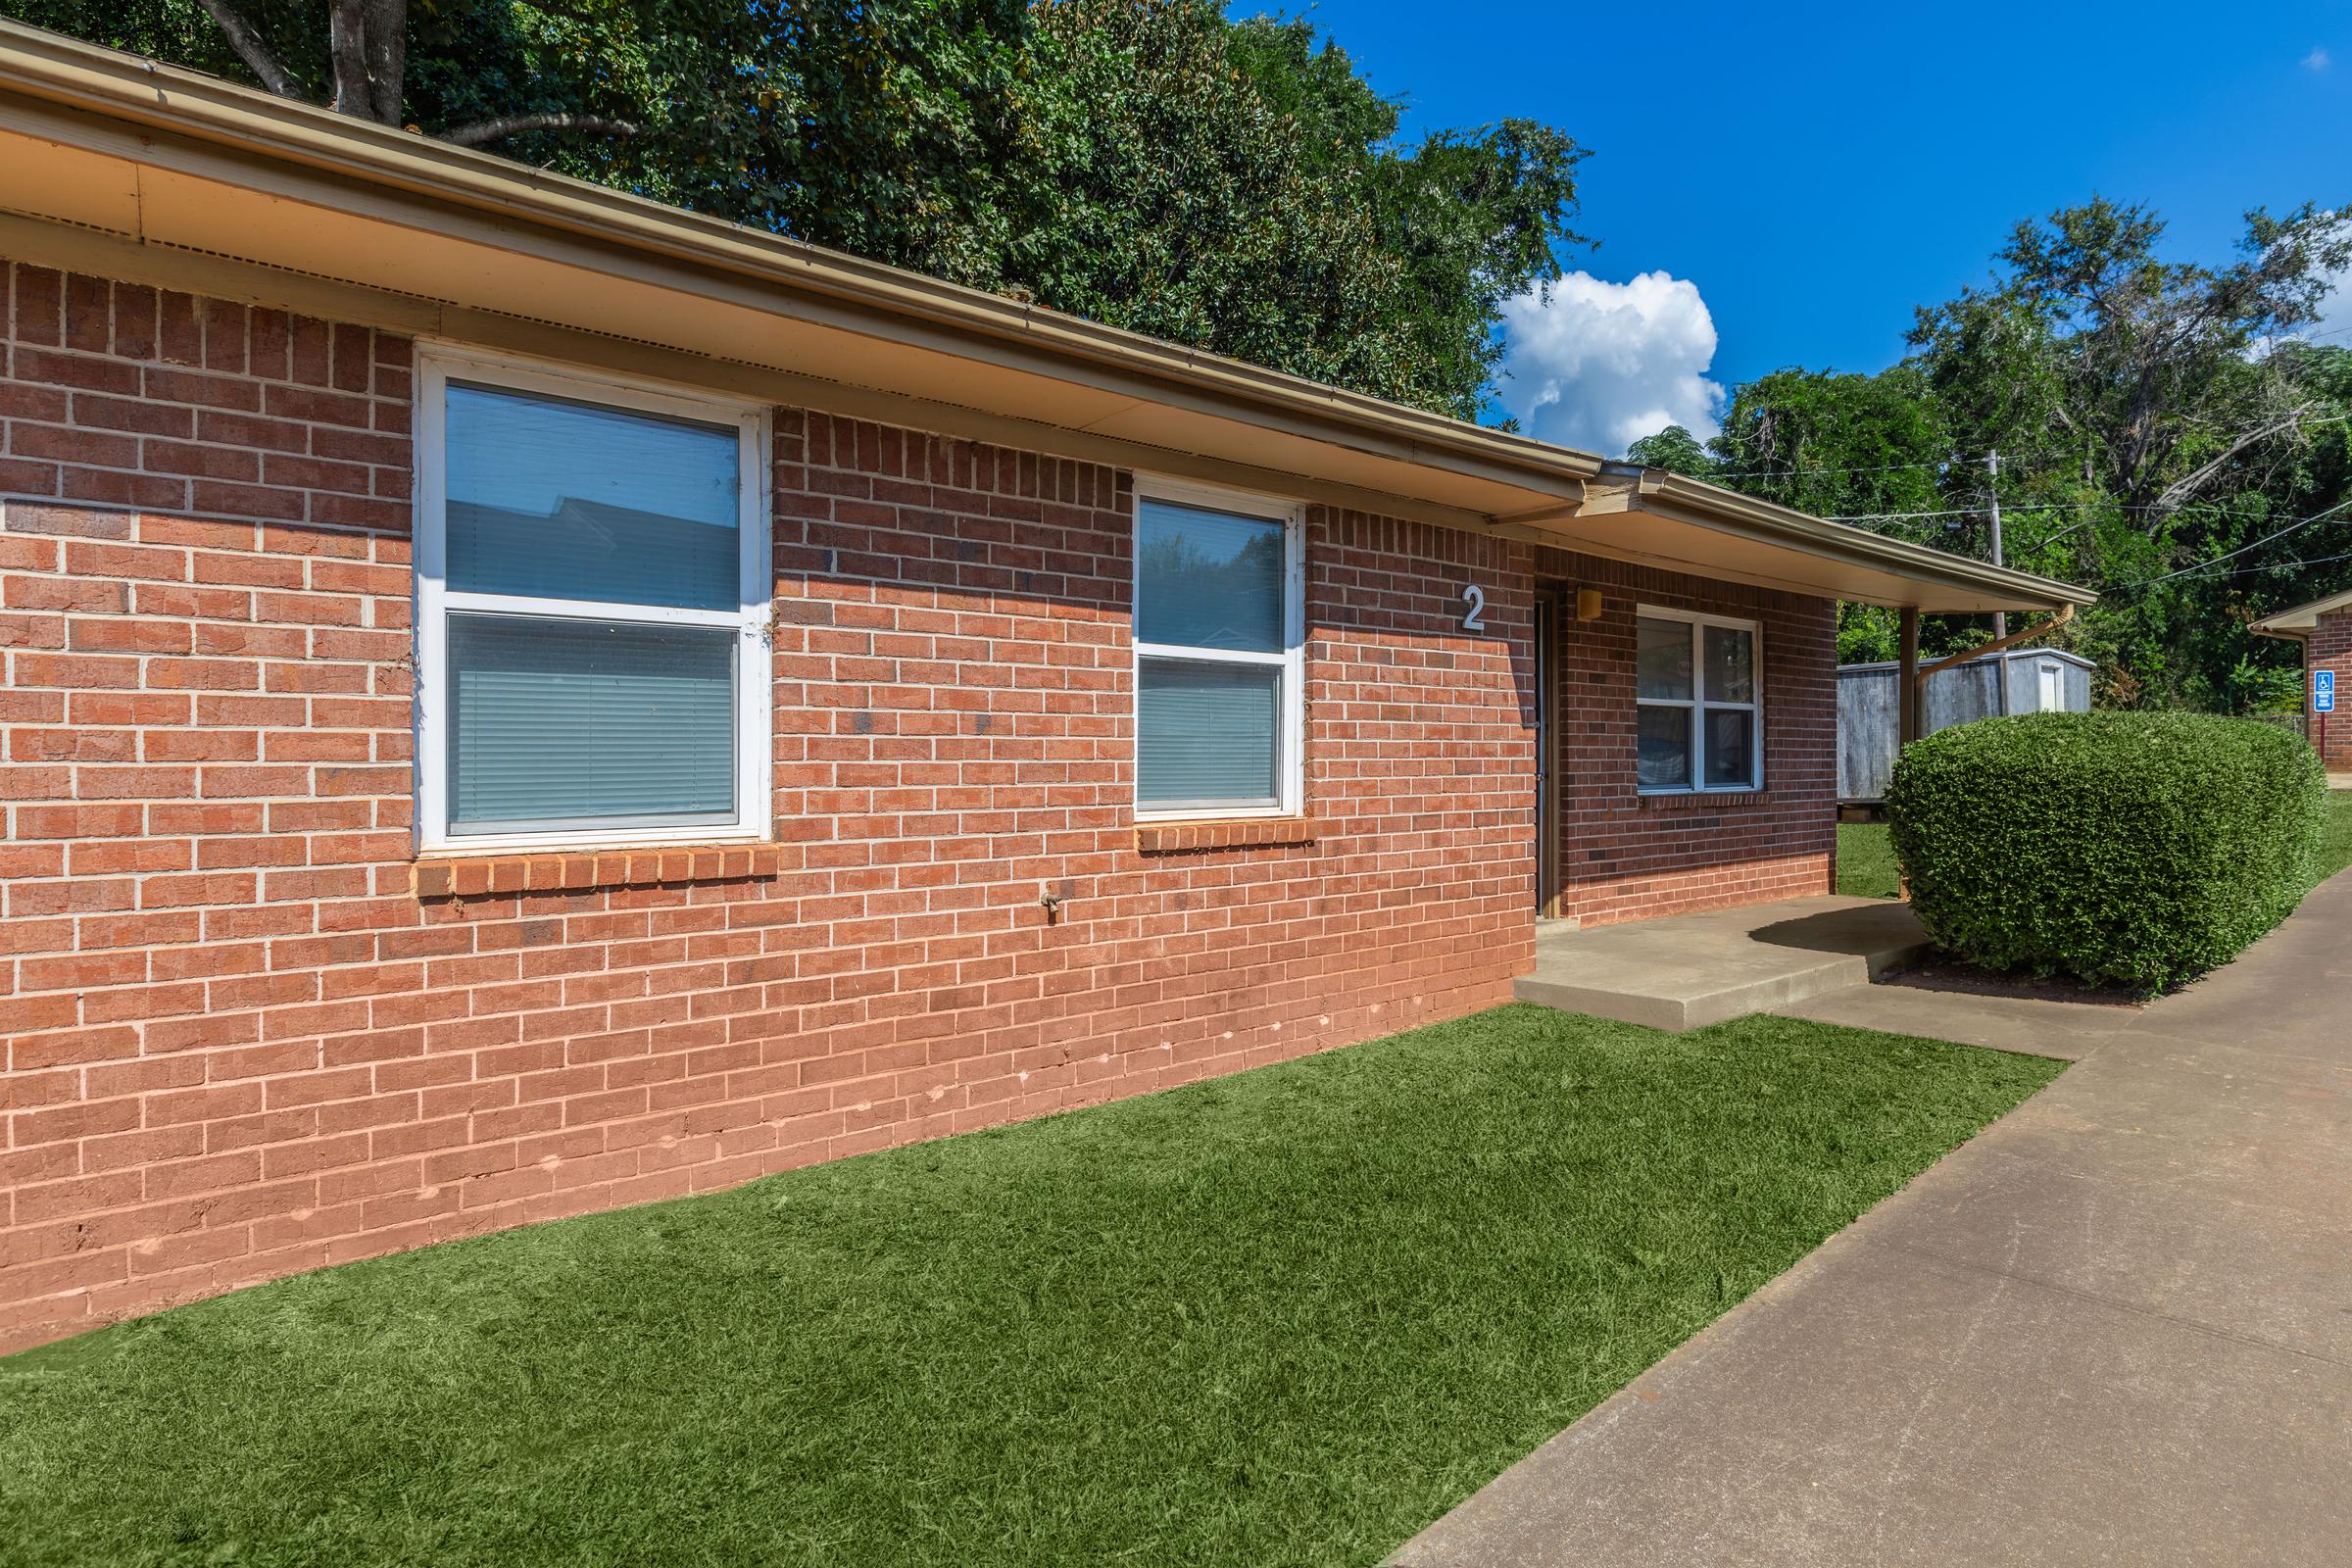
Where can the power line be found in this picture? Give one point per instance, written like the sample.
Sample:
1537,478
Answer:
1957,461
2017,504
1792,473
2280,566
1904,517
2295,526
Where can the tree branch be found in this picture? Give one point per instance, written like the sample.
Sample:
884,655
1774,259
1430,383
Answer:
483,131
250,49
2181,490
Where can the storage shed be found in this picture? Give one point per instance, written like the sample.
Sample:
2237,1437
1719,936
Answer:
2020,680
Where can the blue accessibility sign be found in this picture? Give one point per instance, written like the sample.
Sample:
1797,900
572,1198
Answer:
2322,691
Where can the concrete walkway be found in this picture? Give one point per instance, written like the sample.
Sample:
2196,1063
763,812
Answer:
1687,970
2114,1328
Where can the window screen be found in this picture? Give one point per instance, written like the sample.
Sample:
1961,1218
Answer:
591,607
1212,670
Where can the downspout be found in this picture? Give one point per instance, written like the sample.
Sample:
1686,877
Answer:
2066,613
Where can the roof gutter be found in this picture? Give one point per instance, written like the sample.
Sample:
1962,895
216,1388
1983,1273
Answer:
2298,624
79,76
182,117
1998,645
1631,488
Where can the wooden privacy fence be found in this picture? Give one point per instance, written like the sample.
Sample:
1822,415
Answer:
2020,680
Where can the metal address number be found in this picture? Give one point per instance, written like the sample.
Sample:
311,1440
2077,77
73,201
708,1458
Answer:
1476,598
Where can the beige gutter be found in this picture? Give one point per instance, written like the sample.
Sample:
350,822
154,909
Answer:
2298,624
2016,639
1628,488
166,175
63,70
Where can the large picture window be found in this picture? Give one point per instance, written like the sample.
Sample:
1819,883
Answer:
1218,634
1699,703
592,574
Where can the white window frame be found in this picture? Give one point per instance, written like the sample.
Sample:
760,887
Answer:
1291,740
437,365
1699,700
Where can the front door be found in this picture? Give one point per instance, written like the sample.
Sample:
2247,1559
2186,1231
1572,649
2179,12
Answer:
1548,816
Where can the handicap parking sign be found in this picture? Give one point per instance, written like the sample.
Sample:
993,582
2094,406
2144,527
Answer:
2322,691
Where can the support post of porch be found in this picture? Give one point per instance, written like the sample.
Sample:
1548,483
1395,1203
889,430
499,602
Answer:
1907,697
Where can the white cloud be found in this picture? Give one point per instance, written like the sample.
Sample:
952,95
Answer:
2318,59
2335,310
1601,365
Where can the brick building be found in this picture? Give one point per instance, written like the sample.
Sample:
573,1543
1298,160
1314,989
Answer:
2325,629
519,700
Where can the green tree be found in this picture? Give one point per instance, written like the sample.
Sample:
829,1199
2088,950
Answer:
1871,448
2141,372
2157,423
584,69
1475,217
1841,445
1677,451
893,128
1184,203
1235,185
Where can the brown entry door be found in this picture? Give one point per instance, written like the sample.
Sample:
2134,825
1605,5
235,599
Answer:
1548,811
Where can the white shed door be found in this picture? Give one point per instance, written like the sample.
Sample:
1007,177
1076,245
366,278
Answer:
2053,688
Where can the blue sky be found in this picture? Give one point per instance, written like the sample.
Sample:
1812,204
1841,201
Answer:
1813,170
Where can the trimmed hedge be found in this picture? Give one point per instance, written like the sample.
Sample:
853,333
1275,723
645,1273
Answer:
2131,848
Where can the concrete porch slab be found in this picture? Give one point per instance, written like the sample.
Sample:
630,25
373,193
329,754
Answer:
1689,970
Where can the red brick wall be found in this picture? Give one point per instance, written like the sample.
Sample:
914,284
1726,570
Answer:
2329,646
1627,856
239,1045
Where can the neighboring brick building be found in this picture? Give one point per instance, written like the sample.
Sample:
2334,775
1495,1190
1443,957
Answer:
2325,629
520,702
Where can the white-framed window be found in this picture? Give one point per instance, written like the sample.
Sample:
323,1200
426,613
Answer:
1698,690
1220,638
592,604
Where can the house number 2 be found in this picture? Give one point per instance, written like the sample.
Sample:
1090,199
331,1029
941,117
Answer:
1476,598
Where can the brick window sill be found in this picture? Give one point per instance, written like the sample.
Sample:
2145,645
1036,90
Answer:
1245,833
1695,801
477,876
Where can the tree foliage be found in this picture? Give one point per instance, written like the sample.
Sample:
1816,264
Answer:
2153,418
1235,185
2140,371
1677,451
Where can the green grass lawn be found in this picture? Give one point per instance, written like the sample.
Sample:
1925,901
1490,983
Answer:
1866,858
1288,1317
1866,862
2335,845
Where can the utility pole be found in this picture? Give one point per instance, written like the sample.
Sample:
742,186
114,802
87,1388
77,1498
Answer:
1992,466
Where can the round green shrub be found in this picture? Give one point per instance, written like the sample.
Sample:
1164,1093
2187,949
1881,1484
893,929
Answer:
2130,848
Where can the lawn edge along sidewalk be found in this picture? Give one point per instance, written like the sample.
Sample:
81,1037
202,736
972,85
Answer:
2109,1328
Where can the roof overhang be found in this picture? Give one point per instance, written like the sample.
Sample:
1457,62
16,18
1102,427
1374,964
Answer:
127,168
1665,517
2301,621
